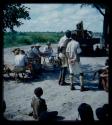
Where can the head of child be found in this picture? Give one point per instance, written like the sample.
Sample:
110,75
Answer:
38,92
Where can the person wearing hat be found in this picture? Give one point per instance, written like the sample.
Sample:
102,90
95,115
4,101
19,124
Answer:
36,50
64,40
40,107
36,65
20,62
48,51
16,51
72,51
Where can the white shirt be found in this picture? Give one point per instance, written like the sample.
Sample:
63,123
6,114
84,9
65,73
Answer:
73,48
62,41
20,60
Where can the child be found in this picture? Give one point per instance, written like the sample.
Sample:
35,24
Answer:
64,65
40,108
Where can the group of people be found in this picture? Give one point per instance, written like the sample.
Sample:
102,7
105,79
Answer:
31,59
40,110
69,53
69,50
68,57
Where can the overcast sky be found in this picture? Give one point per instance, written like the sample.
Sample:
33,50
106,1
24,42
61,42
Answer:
60,17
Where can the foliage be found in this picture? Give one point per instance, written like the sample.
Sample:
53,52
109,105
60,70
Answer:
28,38
12,13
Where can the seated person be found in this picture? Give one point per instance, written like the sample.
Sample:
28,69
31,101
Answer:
20,62
103,77
48,52
40,108
86,113
36,50
30,53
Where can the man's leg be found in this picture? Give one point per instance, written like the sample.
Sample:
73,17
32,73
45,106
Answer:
64,74
60,77
81,77
71,81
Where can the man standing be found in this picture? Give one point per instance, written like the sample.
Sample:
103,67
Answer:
64,40
73,50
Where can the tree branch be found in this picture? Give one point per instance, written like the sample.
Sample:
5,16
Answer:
98,8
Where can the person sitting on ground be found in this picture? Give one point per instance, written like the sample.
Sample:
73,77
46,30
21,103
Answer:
40,108
48,51
102,113
103,77
64,65
86,113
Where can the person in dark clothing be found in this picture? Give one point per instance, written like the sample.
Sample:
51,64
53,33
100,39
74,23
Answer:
86,113
40,108
102,113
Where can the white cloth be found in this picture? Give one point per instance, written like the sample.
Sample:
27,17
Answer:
75,68
73,49
62,41
20,60
63,60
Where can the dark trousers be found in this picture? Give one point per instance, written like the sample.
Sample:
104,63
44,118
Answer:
48,116
62,75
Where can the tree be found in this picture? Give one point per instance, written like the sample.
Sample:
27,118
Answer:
12,15
106,14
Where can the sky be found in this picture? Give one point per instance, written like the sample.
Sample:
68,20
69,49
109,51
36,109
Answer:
61,17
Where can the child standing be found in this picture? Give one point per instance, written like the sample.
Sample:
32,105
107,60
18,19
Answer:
64,65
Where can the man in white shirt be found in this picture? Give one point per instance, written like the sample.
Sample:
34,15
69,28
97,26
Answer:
20,59
73,50
20,62
64,40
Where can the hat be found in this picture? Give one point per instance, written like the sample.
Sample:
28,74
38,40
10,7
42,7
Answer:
37,45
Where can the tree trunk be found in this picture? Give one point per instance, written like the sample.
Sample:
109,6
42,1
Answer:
106,27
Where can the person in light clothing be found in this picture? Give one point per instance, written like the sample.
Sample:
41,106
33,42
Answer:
64,65
72,51
64,40
20,62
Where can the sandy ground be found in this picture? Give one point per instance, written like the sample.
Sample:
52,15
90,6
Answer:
58,98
